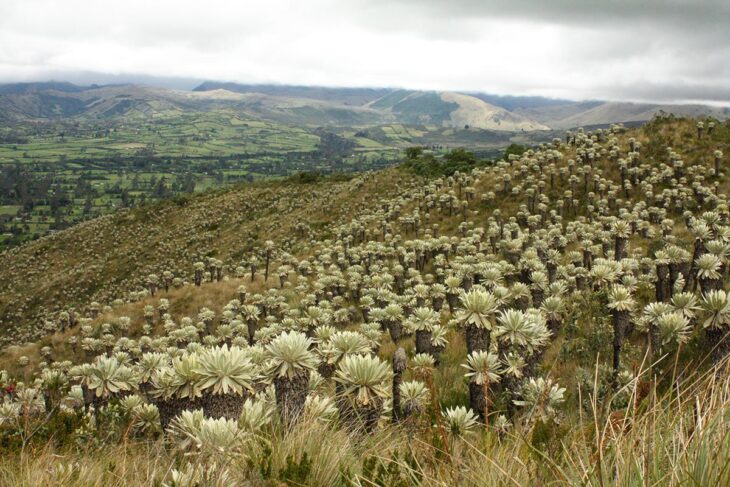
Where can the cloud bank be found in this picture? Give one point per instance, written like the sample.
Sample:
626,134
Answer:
651,50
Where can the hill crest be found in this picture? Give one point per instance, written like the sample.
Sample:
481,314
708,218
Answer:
313,106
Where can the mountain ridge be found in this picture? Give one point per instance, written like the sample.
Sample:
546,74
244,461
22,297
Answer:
315,106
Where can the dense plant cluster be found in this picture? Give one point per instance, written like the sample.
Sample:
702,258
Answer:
482,303
103,259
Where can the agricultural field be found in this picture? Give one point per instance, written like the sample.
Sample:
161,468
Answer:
57,173
77,170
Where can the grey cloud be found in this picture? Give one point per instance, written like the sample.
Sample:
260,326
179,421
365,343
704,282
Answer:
666,92
652,50
680,13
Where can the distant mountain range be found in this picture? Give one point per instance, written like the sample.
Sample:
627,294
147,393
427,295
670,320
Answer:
316,106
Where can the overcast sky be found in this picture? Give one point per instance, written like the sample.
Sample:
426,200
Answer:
672,50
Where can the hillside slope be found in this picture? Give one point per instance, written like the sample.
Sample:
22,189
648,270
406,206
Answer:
107,257
344,96
480,114
602,113
558,315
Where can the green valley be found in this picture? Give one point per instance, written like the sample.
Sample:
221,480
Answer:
72,153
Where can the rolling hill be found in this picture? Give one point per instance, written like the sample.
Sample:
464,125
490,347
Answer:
592,114
315,106
344,96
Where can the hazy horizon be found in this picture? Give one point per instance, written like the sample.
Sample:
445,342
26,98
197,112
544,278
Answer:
189,84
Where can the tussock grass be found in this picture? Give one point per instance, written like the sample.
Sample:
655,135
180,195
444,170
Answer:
679,438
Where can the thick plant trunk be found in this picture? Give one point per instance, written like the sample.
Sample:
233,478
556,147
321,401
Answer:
620,323
369,417
662,289
400,285
699,251
619,251
172,407
266,270
358,418
436,353
674,269
452,300
587,259
218,406
344,404
397,380
400,363
537,297
719,343
144,389
395,328
478,400
252,325
410,409
525,276
326,370
552,270
88,395
423,341
710,285
291,393
168,410
606,247
522,303
531,364
98,402
477,339
553,326
466,283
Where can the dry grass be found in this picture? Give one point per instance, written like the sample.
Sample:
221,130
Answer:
684,439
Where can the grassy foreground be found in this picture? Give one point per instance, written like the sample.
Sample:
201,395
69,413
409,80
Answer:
683,439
